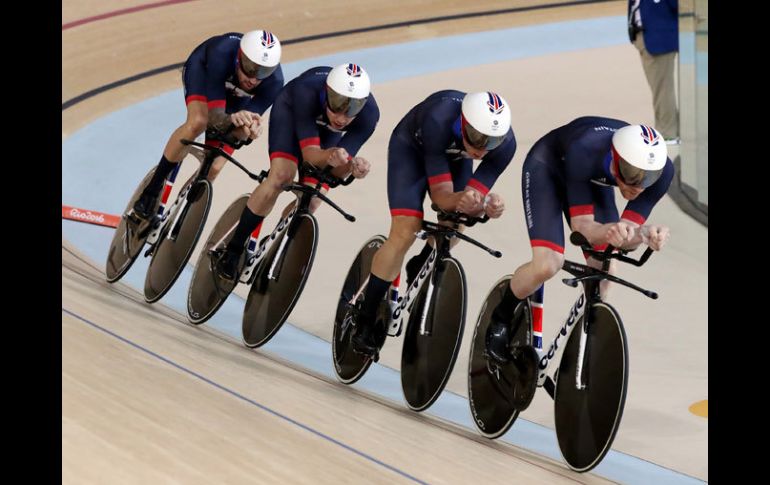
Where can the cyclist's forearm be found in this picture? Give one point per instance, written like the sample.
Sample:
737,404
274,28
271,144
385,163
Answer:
316,156
595,232
219,119
445,199
342,171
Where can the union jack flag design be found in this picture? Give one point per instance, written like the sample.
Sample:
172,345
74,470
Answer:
650,136
494,103
268,39
354,70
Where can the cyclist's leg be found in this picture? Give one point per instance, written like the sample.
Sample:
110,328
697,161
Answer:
284,151
258,207
407,185
461,173
194,81
216,168
543,196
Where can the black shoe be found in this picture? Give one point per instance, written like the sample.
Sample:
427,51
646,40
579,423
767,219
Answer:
145,207
497,341
364,338
227,265
413,267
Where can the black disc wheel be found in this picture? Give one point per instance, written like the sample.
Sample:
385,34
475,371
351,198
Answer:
208,291
279,280
129,237
427,360
177,240
350,366
587,419
495,390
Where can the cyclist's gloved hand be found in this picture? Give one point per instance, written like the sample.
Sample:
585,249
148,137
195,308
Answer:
470,203
338,156
655,236
246,124
620,234
494,205
360,166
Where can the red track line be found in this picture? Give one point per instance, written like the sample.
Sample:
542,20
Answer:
123,11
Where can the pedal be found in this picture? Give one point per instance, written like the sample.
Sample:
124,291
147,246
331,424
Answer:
149,251
491,360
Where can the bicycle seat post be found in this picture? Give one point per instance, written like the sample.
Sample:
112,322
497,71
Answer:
208,161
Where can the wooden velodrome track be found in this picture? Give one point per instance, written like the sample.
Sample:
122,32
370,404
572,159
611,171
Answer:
147,398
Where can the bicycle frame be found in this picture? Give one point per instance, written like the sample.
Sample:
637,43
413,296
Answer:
589,277
177,209
577,311
397,303
255,251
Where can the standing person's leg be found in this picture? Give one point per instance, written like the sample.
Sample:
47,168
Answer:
659,70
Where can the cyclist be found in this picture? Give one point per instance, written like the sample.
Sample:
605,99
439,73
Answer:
229,79
573,171
322,117
432,150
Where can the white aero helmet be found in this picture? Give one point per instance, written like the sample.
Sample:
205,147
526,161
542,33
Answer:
347,89
640,153
486,119
260,54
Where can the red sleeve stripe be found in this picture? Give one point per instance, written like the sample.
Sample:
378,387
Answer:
632,216
546,244
196,97
478,186
406,212
581,210
437,179
285,155
217,103
315,141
